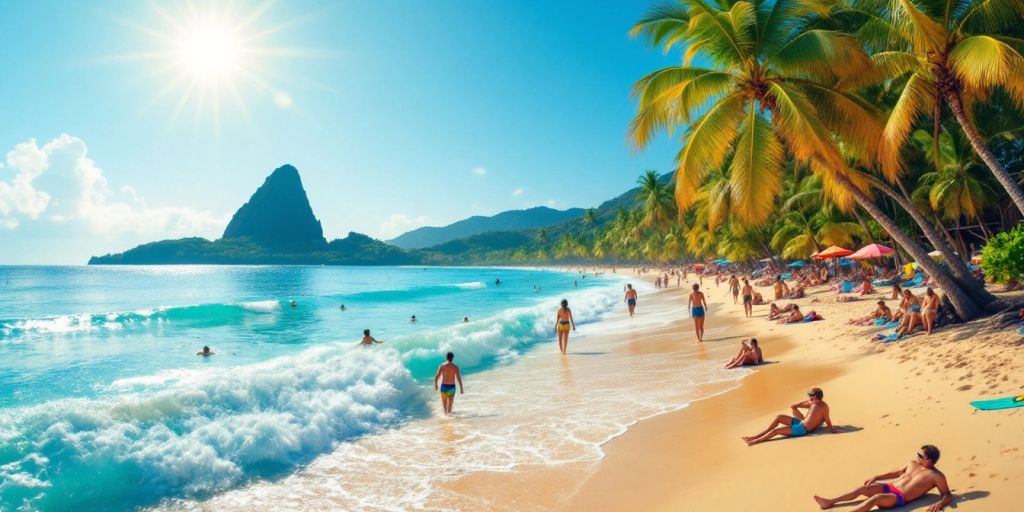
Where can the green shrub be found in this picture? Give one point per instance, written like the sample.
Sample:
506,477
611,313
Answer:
1003,258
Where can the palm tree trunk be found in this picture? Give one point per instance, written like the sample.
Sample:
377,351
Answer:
965,307
956,264
1011,186
864,226
945,230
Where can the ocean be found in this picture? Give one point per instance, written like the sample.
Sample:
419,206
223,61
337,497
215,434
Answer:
104,404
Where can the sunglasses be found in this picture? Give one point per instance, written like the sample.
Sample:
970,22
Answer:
920,456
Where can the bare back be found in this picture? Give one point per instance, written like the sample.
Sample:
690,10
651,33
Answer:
449,372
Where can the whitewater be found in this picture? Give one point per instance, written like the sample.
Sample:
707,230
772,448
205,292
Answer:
105,406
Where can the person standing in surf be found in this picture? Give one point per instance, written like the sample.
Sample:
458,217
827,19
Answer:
563,321
630,299
449,375
698,307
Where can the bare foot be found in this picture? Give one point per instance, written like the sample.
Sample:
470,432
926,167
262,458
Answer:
823,503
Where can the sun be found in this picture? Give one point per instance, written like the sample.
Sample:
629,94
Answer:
216,58
209,50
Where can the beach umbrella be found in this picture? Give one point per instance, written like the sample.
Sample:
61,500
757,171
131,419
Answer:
798,264
833,252
871,251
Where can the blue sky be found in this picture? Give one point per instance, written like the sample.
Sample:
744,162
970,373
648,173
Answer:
396,113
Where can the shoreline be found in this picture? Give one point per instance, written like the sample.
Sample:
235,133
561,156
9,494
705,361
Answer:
883,396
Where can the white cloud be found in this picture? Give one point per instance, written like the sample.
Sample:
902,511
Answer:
282,99
399,223
518,192
59,179
551,202
479,171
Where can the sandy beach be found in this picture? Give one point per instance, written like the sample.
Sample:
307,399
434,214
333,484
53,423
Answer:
888,399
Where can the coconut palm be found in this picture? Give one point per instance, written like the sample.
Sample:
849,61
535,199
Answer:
655,200
589,216
774,85
950,52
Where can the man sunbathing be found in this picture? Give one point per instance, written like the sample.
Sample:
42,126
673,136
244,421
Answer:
797,425
883,312
908,484
794,316
775,312
750,354
758,299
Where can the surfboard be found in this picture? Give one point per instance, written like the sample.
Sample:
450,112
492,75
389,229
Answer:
1008,402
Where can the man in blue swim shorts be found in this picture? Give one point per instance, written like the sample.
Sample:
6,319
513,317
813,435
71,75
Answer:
798,424
449,374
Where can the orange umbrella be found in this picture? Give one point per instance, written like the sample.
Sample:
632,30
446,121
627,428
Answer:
833,252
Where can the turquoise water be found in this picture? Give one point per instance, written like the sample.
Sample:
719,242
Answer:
105,406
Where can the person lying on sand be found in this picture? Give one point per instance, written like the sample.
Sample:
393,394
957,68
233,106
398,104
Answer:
884,312
775,312
205,352
758,299
908,484
798,424
749,354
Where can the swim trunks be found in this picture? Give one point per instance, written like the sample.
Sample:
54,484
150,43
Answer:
448,390
900,498
916,308
563,326
796,428
747,298
631,302
697,311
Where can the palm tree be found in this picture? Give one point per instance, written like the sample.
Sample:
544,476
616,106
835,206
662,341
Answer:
773,85
952,52
655,200
589,217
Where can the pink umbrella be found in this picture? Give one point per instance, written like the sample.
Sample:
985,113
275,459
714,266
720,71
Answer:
871,251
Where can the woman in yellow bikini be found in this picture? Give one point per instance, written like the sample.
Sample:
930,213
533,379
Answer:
563,321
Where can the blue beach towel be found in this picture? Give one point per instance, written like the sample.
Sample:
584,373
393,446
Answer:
891,325
879,321
1020,331
847,287
916,281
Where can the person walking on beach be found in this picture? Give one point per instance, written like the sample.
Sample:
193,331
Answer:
630,299
908,484
449,374
748,298
367,339
734,287
563,321
698,308
798,424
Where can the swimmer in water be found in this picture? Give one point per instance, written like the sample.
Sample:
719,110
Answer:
294,304
367,339
413,319
205,352
465,320
343,308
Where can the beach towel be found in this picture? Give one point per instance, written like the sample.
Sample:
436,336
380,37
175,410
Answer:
846,287
1008,402
916,281
879,321
891,325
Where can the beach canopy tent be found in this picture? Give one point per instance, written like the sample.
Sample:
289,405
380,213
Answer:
798,264
833,252
871,251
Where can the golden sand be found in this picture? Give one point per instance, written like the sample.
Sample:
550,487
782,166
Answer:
889,399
